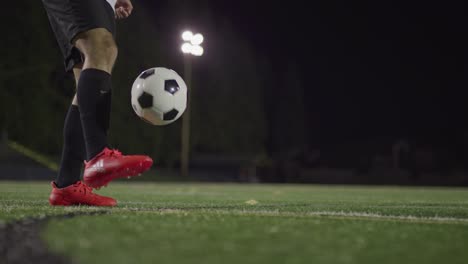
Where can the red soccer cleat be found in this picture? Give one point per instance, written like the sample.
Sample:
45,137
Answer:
111,164
78,194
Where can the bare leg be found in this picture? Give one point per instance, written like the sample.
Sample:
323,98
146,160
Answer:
99,49
76,73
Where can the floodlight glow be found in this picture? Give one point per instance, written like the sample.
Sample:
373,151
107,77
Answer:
197,39
187,35
187,48
197,50
192,43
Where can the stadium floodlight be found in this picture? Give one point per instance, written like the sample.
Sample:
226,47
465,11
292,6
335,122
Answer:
187,35
197,39
197,50
190,46
187,48
192,43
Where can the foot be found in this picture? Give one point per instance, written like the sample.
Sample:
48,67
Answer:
78,194
111,164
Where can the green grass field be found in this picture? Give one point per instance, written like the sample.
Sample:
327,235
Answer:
231,223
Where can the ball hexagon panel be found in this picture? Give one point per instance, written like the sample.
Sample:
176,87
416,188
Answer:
163,100
145,100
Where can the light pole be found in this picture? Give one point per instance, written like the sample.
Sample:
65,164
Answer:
190,47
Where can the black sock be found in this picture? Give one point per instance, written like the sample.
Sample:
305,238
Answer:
73,153
91,85
104,110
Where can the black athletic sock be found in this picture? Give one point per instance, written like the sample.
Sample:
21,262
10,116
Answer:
73,152
104,110
91,85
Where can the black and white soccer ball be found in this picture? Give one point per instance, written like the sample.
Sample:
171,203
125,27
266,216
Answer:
159,96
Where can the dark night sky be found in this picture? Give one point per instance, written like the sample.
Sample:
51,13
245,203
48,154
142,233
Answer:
372,68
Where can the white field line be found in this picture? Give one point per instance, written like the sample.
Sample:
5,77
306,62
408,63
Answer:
402,206
441,219
252,212
329,214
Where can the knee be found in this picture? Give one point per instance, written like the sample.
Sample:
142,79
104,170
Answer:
98,45
103,48
108,48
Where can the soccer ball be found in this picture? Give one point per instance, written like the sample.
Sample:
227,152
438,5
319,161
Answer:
159,96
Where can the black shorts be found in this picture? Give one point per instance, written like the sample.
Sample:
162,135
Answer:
70,17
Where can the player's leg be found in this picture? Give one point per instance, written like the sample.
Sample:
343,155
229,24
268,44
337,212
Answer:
89,26
100,52
94,88
68,189
99,49
73,151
